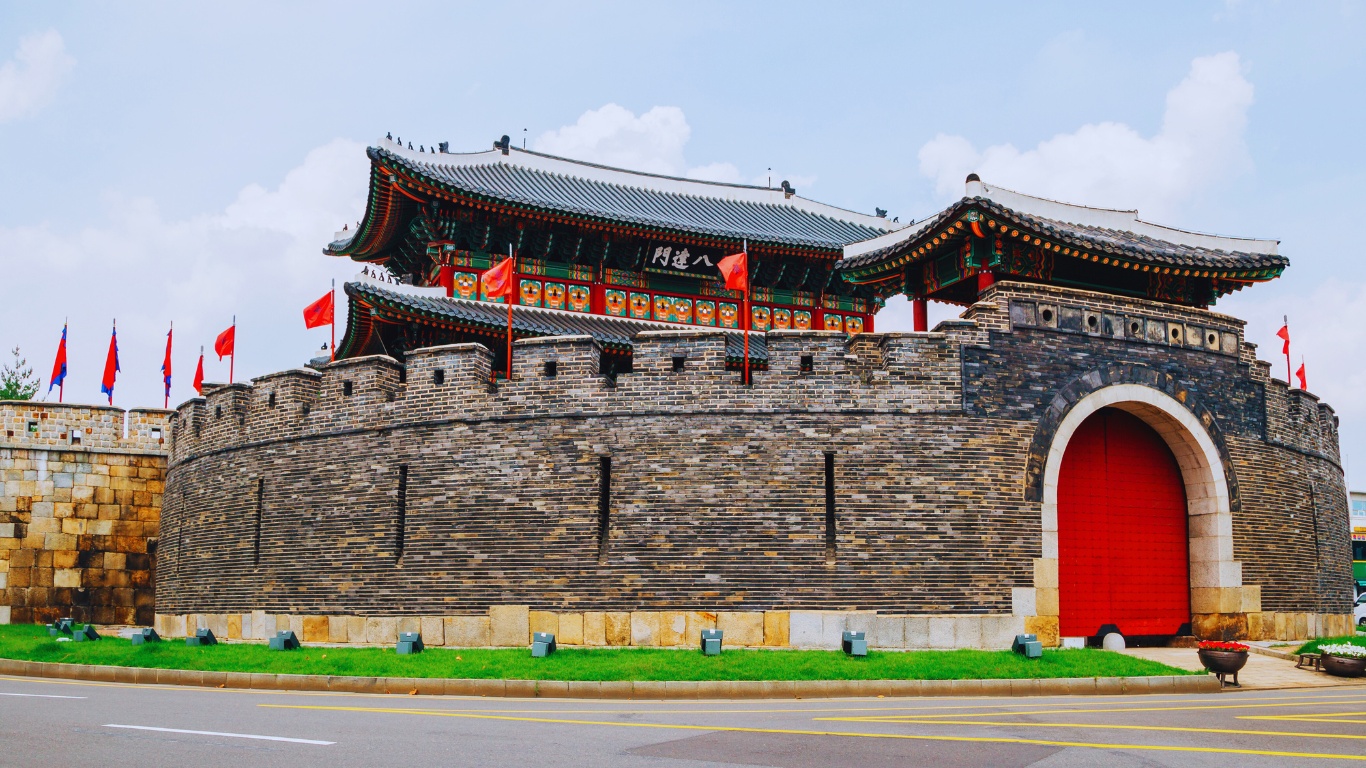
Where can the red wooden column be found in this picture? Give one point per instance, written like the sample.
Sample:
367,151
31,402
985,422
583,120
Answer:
985,279
921,309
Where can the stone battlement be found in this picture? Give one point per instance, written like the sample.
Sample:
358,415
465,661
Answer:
684,371
28,424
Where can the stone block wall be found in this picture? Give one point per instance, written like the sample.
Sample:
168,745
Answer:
79,512
423,493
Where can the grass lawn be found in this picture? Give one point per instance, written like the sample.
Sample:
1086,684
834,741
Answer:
31,643
1313,645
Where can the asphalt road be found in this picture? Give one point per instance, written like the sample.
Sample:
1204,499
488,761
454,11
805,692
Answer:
65,723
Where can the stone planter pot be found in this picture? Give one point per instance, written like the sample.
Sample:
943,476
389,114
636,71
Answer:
1223,663
1342,666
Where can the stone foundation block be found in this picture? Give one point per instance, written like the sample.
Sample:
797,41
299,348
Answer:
917,632
673,628
617,628
644,628
571,629
744,628
696,622
998,632
1046,602
805,629
1220,626
594,628
509,626
941,632
381,630
296,625
317,629
336,630
1045,628
467,631
355,629
776,634
433,631
235,626
543,621
1023,601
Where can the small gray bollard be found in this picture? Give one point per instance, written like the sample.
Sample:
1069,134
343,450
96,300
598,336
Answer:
711,642
145,635
854,643
542,644
1027,646
409,642
284,640
61,627
202,637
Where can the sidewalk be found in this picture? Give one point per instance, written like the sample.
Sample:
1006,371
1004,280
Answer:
1261,672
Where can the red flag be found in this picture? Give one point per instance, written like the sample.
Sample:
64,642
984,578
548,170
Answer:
498,281
166,365
224,343
1300,374
199,373
111,366
1284,333
735,269
59,365
319,312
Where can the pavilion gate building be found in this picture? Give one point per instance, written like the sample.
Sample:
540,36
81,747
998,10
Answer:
1090,448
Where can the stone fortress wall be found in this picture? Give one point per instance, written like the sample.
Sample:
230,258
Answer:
81,502
374,496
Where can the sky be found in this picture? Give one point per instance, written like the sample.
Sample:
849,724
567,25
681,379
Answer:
186,163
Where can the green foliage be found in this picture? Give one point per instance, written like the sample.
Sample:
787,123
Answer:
31,643
17,380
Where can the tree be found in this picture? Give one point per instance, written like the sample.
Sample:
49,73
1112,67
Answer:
17,380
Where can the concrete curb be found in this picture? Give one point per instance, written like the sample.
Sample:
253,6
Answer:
573,689
1273,653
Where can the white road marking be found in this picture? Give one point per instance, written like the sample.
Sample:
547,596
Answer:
41,696
218,733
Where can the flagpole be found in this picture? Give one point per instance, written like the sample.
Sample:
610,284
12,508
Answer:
1286,320
61,388
333,357
512,275
748,316
232,359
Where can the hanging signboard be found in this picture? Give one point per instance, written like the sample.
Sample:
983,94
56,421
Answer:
691,260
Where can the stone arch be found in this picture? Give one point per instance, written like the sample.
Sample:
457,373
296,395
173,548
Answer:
1193,436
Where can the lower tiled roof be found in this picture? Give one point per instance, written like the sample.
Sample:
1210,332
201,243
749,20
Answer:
615,333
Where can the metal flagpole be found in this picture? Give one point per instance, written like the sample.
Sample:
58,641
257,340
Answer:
512,275
748,316
232,359
61,388
166,396
1286,321
333,356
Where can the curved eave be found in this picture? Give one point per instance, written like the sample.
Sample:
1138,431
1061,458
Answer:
955,223
391,172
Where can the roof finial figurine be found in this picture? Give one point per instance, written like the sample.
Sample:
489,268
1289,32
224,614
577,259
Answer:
421,147
410,145
444,147
881,213
503,144
389,135
788,189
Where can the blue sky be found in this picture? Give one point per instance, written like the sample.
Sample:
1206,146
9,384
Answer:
187,162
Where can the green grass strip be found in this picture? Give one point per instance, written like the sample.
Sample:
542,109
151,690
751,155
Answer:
1313,645
32,643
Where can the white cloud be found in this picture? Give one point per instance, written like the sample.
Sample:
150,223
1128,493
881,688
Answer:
29,81
260,258
1110,164
654,142
615,136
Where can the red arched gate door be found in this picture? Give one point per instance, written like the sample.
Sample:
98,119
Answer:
1123,554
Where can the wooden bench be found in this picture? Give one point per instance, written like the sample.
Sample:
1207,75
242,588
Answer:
1311,660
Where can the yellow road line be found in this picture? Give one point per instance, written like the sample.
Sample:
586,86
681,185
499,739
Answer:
850,734
1111,726
1109,710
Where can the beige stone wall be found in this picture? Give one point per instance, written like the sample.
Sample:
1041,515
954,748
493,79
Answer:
81,503
512,626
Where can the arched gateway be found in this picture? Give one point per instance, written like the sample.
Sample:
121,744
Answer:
1123,557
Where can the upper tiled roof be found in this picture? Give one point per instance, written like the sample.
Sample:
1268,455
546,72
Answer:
530,322
731,211
1102,231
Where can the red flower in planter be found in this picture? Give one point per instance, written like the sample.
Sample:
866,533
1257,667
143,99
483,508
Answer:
1221,645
